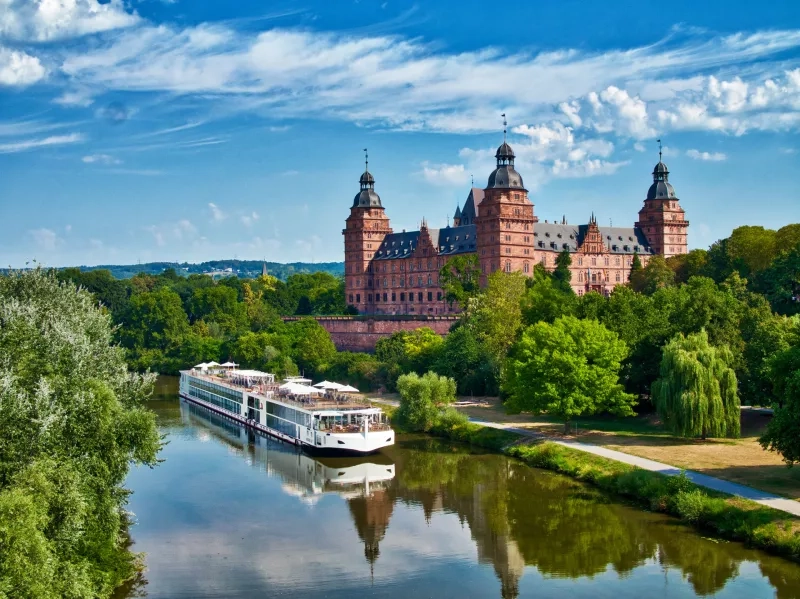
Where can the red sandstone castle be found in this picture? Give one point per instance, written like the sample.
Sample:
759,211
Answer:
398,273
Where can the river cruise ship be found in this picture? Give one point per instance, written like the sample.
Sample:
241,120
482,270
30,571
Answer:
324,420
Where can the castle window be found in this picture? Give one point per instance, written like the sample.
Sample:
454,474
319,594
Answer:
384,266
402,281
430,264
358,298
508,266
580,277
430,296
618,277
394,281
580,261
393,297
508,250
384,297
369,283
544,260
430,280
594,261
385,282
419,281
351,298
419,296
617,260
526,268
607,260
411,298
439,296
403,297
370,297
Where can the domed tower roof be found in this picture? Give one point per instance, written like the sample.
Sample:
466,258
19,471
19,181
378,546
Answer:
661,188
505,176
367,198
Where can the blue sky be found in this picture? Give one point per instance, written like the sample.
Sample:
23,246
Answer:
195,130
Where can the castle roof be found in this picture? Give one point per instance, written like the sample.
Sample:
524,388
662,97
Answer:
661,189
448,241
470,211
618,240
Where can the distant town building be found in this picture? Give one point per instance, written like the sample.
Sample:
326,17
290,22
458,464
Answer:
398,273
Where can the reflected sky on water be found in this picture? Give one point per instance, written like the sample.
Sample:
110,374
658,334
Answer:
235,515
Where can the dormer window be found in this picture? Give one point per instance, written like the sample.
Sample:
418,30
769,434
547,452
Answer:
620,237
547,234
559,235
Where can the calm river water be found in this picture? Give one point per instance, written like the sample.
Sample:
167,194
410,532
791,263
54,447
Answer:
232,515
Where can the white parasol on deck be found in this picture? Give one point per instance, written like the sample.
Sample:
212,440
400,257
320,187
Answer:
202,365
348,389
298,389
329,385
229,365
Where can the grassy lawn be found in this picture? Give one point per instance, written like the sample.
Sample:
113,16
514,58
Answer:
738,460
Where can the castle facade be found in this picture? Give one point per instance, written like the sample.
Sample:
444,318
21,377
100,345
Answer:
398,273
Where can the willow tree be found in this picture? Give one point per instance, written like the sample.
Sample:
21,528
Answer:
695,394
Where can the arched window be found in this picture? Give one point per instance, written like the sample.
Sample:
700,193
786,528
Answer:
580,261
508,266
580,277
526,268
385,282
430,280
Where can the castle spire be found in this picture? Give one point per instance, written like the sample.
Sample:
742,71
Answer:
659,149
505,124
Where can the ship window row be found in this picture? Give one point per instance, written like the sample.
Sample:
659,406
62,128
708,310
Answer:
287,428
220,402
218,390
287,413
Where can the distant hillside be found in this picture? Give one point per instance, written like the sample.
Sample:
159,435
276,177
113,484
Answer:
240,268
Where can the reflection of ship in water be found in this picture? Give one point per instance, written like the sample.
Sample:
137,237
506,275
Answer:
363,481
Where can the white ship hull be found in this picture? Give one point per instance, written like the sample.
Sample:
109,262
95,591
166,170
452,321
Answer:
258,417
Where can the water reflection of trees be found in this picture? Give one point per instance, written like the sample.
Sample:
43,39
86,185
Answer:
521,516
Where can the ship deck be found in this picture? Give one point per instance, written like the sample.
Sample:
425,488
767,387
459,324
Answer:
330,402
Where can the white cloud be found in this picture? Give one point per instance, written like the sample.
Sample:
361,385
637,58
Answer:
586,168
81,98
406,84
46,239
707,156
445,175
216,213
183,229
639,147
158,236
101,159
31,144
249,219
45,20
18,68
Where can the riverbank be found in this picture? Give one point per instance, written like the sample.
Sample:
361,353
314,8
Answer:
723,515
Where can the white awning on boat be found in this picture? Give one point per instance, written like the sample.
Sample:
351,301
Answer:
256,374
348,389
229,365
212,363
328,413
202,365
296,379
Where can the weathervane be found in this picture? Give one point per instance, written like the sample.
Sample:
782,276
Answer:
505,124
366,160
659,149
472,181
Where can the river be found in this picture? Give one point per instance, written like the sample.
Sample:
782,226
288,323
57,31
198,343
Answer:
233,515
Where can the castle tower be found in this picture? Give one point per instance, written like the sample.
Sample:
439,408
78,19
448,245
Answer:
662,220
505,221
364,231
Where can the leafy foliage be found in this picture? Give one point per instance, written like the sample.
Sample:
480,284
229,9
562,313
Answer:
460,279
72,421
423,399
568,368
783,432
696,394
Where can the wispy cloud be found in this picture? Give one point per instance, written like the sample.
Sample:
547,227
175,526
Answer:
216,212
707,156
31,144
101,159
406,84
249,219
46,239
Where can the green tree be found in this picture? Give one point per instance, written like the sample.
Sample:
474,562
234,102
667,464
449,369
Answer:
780,283
73,421
696,392
496,314
568,368
312,348
787,238
685,266
422,399
656,275
751,249
783,431
154,328
562,274
460,278
547,299
464,359
636,265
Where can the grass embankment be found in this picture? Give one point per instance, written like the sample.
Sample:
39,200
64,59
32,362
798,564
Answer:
724,515
742,460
